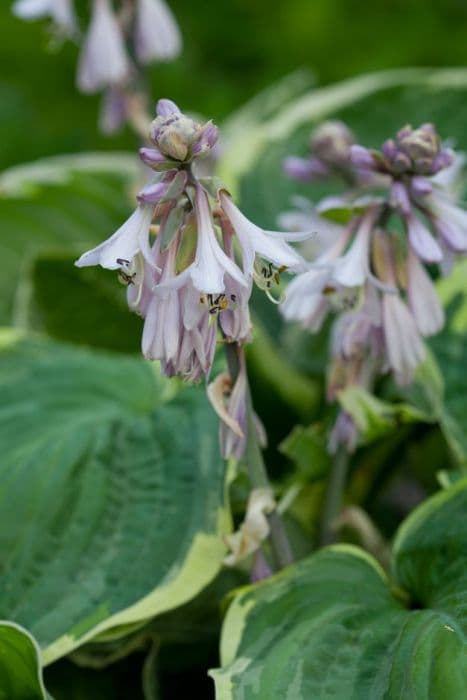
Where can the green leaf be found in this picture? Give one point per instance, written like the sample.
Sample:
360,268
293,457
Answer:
307,448
67,203
333,625
20,665
111,492
374,417
24,180
82,306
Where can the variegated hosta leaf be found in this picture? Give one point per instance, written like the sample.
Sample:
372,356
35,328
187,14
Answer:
111,493
333,626
20,665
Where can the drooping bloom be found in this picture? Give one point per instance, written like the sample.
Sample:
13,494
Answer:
374,276
157,36
189,256
60,11
103,60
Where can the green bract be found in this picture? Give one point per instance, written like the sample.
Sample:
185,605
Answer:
333,626
111,493
20,666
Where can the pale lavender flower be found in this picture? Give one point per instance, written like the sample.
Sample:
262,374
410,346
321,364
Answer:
103,60
60,11
192,280
450,222
423,299
421,240
258,245
157,36
113,112
131,238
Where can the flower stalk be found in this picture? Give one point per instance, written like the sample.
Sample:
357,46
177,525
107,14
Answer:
253,458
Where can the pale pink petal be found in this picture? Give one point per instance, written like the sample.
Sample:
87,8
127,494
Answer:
422,242
124,244
157,35
103,60
422,297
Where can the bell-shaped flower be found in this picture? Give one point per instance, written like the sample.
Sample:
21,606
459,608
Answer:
163,318
267,245
423,299
450,223
157,36
60,11
422,241
103,61
308,295
404,345
125,243
197,346
211,264
351,270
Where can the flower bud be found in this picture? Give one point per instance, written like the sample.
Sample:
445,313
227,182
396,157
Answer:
179,137
331,143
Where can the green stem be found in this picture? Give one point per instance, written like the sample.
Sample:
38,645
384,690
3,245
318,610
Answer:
334,496
256,468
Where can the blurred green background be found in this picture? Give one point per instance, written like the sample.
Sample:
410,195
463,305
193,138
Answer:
233,49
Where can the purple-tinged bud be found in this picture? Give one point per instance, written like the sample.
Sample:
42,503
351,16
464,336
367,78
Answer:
420,186
152,157
179,137
362,158
165,108
401,163
389,149
170,188
404,132
419,145
331,142
305,169
152,194
400,198
207,141
444,159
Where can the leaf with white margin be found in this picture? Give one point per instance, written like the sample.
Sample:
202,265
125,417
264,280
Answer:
333,625
20,665
111,493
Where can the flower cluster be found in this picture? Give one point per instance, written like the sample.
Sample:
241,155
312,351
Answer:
330,145
188,255
145,30
401,216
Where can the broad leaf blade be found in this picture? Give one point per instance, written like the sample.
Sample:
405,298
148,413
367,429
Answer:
333,626
111,493
20,665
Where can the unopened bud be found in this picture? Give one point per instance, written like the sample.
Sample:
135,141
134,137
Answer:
331,142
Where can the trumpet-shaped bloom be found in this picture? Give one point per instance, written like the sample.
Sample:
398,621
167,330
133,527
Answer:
103,60
125,243
254,241
157,36
423,300
60,11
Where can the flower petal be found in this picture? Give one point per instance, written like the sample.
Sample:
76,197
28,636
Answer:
157,36
422,241
103,60
423,299
124,244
